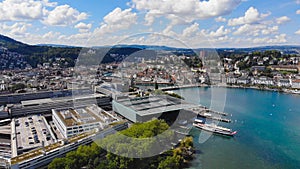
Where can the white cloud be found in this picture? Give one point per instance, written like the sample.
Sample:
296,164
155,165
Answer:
83,27
49,4
189,31
282,19
20,10
117,20
270,30
51,35
297,32
256,30
298,12
64,15
252,15
16,29
220,32
277,39
186,10
220,19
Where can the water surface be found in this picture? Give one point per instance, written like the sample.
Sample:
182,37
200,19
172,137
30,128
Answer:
268,125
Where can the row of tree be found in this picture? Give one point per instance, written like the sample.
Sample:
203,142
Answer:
132,146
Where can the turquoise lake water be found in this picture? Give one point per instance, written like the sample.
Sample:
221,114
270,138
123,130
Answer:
268,125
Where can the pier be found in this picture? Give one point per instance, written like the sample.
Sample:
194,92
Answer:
210,114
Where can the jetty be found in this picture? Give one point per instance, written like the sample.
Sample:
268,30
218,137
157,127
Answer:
210,116
204,112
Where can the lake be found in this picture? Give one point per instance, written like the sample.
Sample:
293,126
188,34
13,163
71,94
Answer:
268,125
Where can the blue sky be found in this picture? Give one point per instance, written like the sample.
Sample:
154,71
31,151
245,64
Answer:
189,23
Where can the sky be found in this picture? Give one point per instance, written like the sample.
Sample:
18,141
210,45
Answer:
177,23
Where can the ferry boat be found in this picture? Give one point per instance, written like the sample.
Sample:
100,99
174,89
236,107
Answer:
213,128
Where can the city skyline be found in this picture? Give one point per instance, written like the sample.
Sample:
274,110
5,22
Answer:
225,23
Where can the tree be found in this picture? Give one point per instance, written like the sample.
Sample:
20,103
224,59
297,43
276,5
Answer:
57,163
171,162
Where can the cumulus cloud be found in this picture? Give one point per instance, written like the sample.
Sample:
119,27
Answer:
252,15
282,19
116,20
221,31
28,10
297,32
298,12
64,15
271,40
16,29
220,19
256,30
51,35
20,10
83,27
186,10
189,31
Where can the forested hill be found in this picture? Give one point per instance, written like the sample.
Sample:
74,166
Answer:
37,54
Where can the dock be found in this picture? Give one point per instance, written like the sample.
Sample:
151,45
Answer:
209,116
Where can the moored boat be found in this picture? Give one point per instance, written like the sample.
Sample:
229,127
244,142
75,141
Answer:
213,128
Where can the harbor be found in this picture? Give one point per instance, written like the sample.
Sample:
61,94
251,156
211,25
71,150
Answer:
254,125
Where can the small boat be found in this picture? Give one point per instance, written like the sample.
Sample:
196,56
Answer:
213,128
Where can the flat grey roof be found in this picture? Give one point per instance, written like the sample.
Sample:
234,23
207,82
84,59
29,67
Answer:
155,104
59,99
25,134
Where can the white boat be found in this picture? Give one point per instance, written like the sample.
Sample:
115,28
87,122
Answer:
213,128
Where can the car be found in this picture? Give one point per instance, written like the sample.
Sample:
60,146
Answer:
40,120
18,132
37,141
29,137
20,147
44,132
31,142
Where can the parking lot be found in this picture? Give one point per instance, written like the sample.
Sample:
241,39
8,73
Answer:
31,132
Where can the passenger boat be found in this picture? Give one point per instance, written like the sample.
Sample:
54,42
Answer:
213,128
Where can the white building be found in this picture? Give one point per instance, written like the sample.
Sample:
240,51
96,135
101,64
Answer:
284,83
231,80
72,122
263,81
243,80
296,84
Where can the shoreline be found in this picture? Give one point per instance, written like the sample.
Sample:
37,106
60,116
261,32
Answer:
284,90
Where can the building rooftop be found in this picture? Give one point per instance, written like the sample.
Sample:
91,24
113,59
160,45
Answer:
154,104
59,99
84,115
32,132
